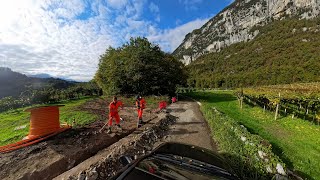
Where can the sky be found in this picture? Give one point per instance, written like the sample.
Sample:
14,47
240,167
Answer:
65,38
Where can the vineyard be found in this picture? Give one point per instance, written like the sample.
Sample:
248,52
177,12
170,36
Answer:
296,100
295,141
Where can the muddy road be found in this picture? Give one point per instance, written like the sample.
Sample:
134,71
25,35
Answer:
190,126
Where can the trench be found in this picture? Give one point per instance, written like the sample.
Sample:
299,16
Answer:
106,164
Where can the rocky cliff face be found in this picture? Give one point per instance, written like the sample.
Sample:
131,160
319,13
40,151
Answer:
237,23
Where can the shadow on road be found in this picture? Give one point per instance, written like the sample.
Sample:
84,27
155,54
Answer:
178,110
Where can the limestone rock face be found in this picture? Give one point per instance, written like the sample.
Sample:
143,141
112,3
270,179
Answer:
236,24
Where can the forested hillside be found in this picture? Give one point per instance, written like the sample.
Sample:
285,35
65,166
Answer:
285,51
16,84
18,90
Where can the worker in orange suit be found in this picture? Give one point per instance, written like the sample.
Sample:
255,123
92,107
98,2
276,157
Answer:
140,104
113,112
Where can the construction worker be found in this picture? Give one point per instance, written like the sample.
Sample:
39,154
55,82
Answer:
113,113
140,104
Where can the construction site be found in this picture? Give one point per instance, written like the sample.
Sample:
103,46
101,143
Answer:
90,152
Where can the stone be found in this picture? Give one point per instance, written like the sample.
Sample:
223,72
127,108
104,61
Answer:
269,169
81,176
92,175
280,169
243,138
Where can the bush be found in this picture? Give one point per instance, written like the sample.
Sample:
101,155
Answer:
139,67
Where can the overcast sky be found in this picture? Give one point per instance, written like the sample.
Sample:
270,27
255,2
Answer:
64,38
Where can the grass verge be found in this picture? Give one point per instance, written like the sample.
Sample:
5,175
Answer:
296,141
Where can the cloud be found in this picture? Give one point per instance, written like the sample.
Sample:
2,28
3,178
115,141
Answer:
170,39
117,3
190,4
49,38
66,38
155,10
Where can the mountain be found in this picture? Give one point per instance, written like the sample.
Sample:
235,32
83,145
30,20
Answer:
238,23
45,76
283,52
16,84
41,75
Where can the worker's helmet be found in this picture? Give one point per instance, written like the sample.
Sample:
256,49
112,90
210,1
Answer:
138,97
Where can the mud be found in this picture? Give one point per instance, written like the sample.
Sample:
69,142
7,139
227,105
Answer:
60,153
84,153
106,163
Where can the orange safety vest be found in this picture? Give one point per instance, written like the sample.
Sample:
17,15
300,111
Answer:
141,104
113,107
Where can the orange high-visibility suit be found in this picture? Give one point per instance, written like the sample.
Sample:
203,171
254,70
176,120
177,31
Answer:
113,112
141,104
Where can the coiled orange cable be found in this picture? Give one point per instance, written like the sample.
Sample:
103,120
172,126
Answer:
44,123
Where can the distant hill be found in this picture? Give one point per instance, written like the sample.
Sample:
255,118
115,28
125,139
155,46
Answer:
41,75
15,84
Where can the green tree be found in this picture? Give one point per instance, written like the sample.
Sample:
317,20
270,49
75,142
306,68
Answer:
139,67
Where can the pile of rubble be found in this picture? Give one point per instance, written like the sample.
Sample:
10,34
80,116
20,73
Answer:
106,163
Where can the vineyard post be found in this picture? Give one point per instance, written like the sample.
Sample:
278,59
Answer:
317,117
241,98
277,108
285,111
314,115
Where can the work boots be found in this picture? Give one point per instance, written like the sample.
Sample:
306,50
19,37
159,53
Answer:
140,123
119,127
109,130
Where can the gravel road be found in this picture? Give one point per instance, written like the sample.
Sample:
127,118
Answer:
190,127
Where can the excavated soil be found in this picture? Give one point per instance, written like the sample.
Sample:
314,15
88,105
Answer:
60,153
84,153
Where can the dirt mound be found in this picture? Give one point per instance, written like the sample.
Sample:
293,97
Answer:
60,153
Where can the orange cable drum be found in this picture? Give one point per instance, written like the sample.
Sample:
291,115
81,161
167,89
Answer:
44,123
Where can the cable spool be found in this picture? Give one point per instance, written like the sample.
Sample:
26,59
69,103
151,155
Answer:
43,121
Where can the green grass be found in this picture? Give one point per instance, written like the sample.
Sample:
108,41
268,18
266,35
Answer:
9,120
296,142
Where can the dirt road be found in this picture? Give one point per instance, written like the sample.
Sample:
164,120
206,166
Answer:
190,127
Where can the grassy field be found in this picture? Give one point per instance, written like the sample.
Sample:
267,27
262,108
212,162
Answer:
296,142
15,123
10,120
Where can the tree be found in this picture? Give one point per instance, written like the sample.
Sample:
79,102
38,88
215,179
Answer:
139,67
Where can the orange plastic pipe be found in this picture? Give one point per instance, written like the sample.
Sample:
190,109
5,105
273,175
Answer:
16,146
44,123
